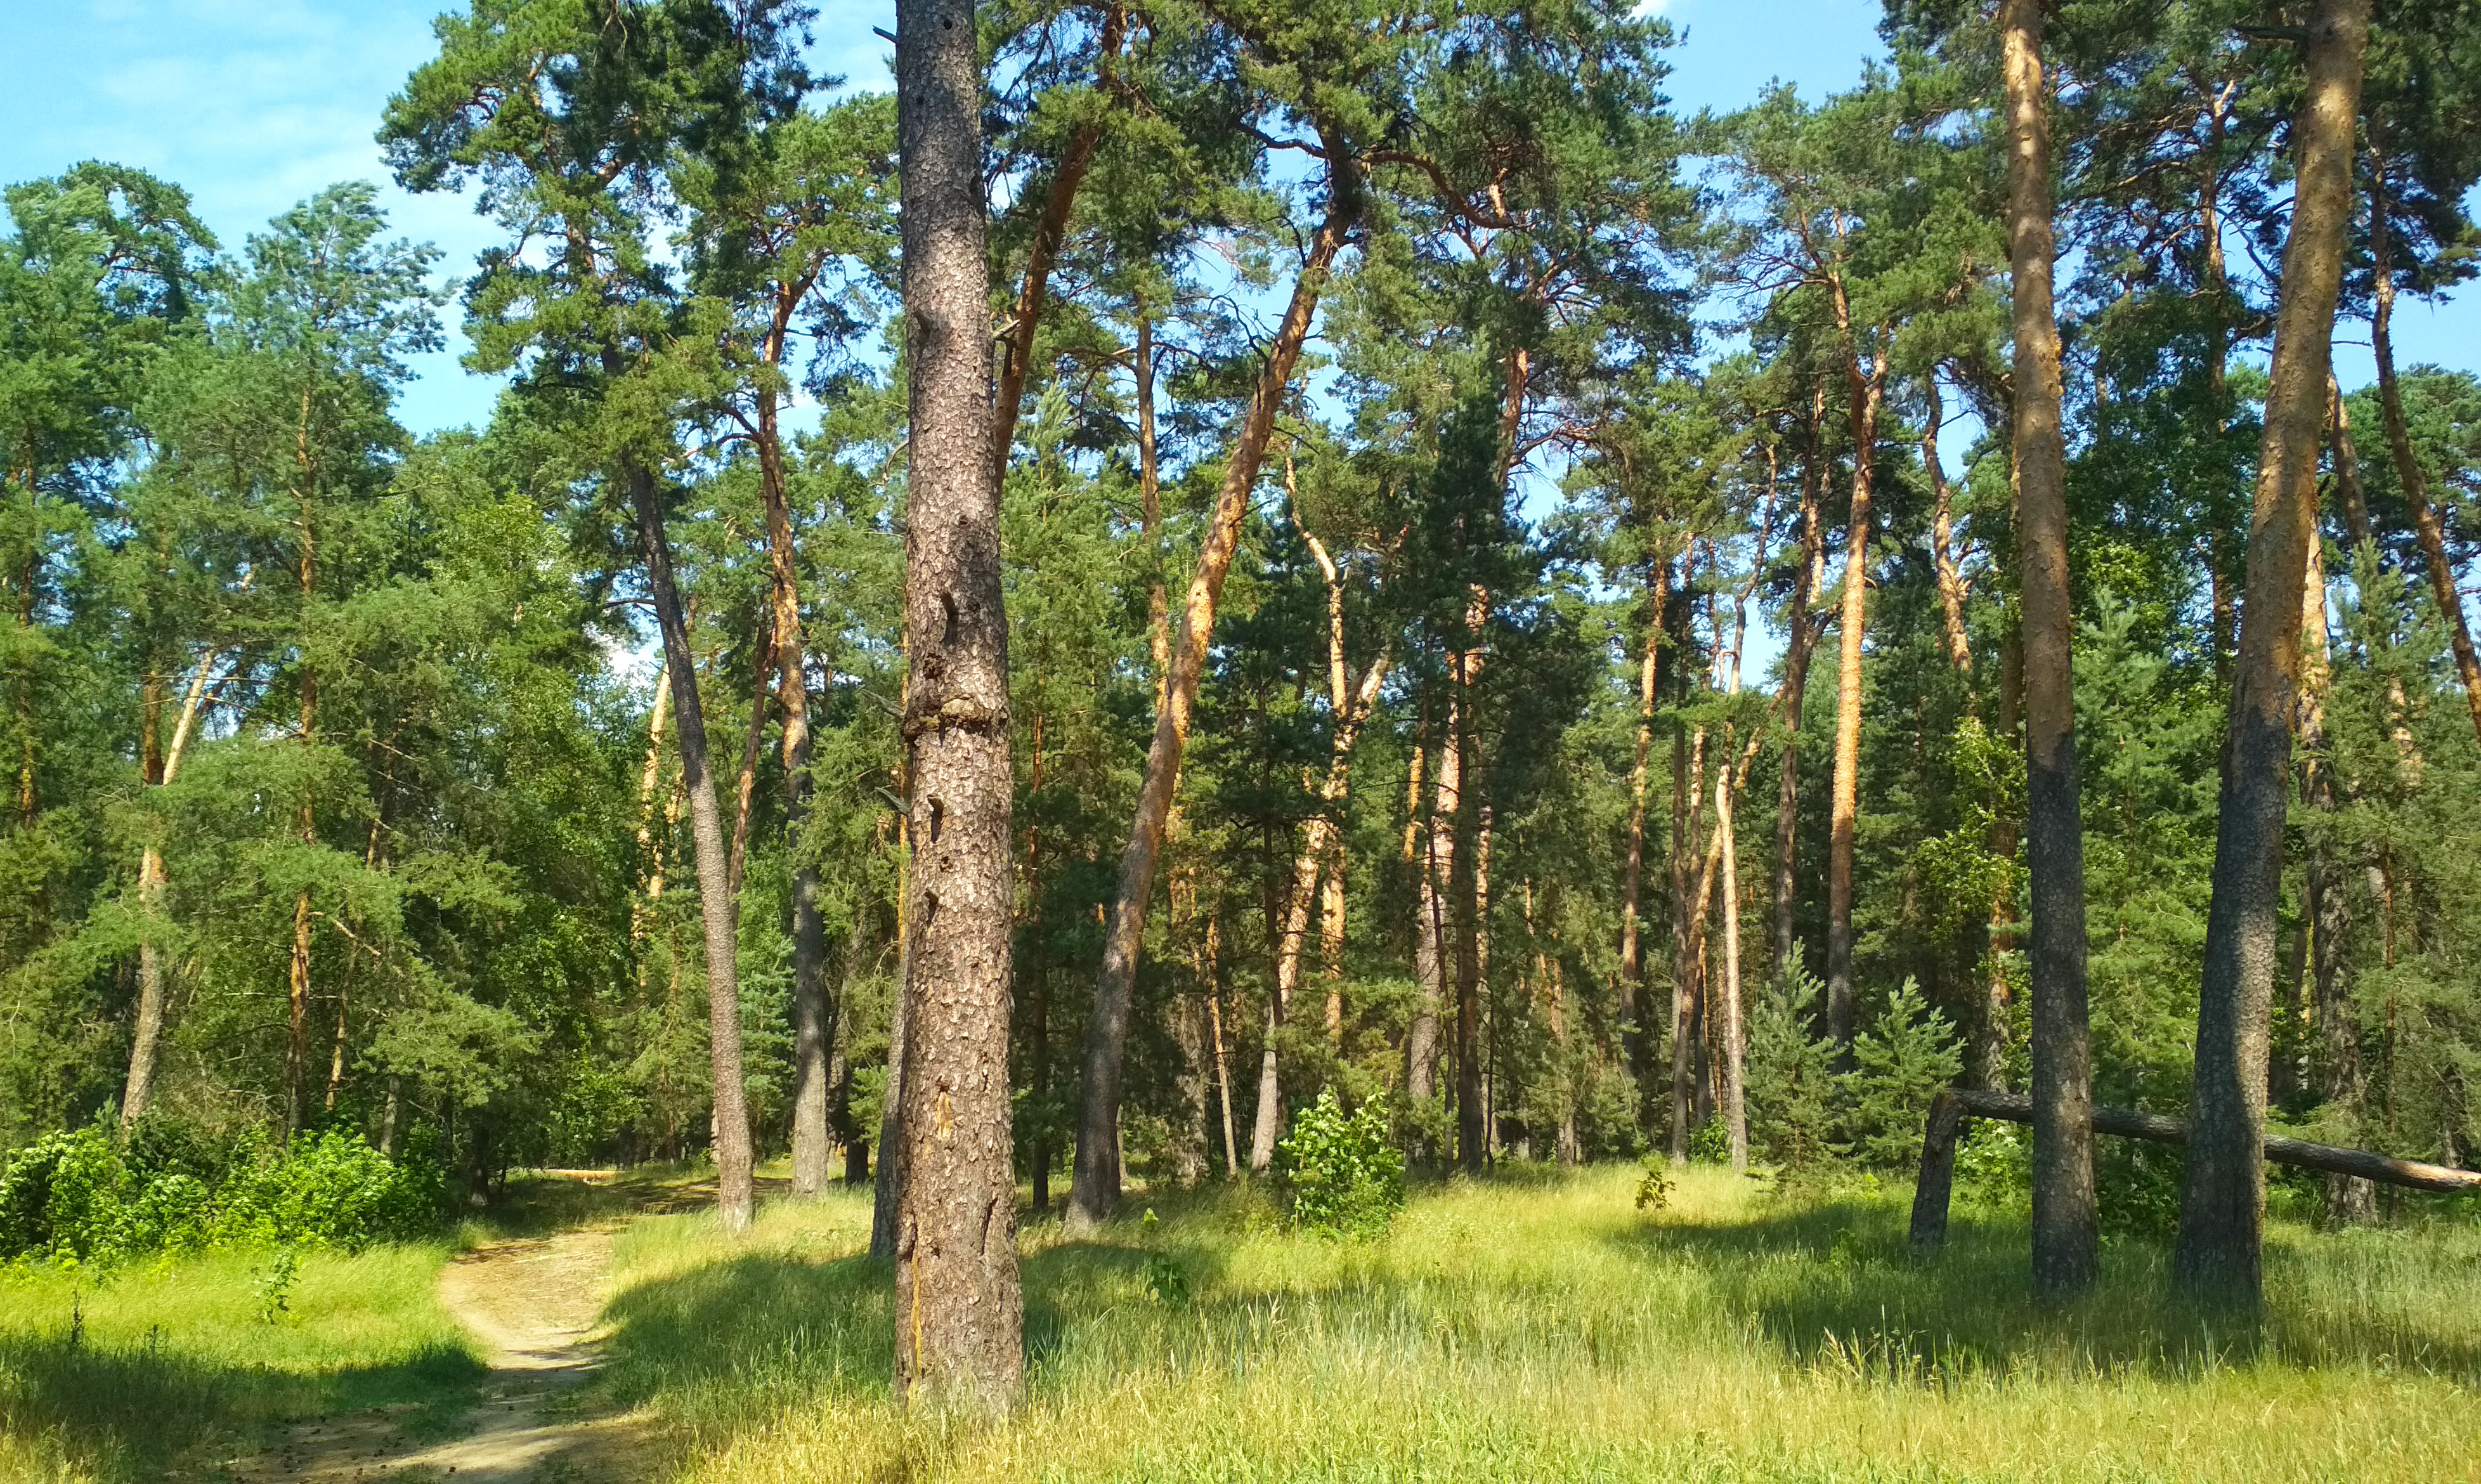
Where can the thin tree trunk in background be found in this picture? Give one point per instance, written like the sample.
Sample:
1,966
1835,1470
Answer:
753,742
1800,639
1464,879
2222,1206
2409,477
1214,1027
2066,1229
1687,921
1866,389
2329,912
1331,924
1951,578
1631,979
146,1037
813,1020
959,1303
1991,1036
1735,1110
1095,1188
1437,899
735,1193
649,849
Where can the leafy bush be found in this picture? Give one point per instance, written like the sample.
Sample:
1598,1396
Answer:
1908,1054
1346,1175
72,1194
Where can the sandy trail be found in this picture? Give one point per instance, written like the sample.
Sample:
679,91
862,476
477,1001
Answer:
532,1305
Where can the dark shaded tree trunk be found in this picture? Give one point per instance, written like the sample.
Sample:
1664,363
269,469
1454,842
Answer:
2066,1224
959,1304
2222,1206
735,1194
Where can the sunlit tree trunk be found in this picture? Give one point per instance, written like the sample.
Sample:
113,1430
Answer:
1095,1188
2223,1198
1865,388
959,1304
147,1034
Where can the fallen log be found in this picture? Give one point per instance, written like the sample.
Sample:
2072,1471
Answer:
1950,1109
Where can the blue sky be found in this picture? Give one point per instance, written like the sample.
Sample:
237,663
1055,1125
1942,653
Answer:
254,104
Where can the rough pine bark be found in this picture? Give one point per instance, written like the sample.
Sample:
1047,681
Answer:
2066,1229
2222,1206
735,1195
959,1306
1094,1190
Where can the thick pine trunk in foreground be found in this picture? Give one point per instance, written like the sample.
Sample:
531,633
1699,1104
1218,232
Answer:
2066,1229
734,1196
959,1306
2222,1206
1095,1188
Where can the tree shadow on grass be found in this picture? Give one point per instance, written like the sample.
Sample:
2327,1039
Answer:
130,1412
1833,1284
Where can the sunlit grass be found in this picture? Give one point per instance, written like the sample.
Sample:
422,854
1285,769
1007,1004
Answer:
1540,1327
135,1372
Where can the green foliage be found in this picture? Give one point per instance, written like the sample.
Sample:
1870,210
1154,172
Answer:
1790,1080
1908,1054
1345,1173
71,1194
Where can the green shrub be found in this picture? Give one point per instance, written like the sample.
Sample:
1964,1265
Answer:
1908,1054
72,1194
1345,1173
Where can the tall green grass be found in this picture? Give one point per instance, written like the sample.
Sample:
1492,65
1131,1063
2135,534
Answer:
1539,1327
139,1372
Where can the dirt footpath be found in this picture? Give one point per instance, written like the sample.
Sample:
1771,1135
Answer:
533,1306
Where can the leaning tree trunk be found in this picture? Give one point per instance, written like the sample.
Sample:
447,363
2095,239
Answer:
2222,1205
1866,389
2409,474
959,1306
1095,1188
2066,1233
147,1036
734,1196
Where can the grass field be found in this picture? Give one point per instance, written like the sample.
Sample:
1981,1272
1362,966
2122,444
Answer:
1529,1327
1543,1328
144,1373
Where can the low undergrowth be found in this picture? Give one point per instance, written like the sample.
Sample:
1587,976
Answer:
1540,1326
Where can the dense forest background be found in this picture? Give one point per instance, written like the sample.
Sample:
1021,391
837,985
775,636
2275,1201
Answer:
346,772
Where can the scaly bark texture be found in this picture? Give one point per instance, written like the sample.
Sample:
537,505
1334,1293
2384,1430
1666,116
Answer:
1095,1187
2066,1229
734,1196
959,1304
2222,1204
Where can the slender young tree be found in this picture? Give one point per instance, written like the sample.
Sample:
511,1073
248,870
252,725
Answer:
959,1304
2222,1202
2066,1231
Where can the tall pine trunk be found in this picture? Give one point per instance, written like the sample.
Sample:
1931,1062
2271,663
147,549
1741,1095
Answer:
735,1194
2222,1206
2066,1233
1800,639
959,1304
1865,387
1637,1044
1094,1190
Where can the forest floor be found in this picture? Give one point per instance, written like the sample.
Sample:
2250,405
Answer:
1533,1325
